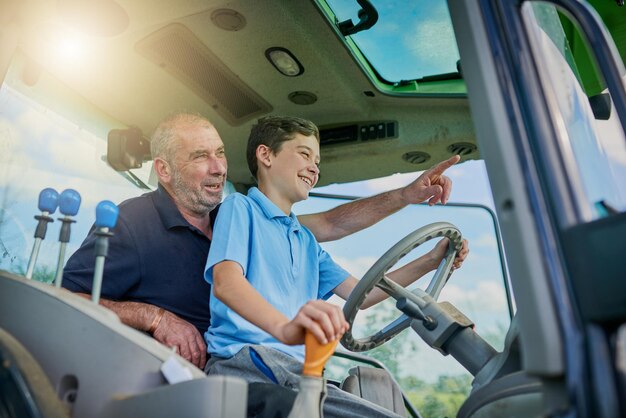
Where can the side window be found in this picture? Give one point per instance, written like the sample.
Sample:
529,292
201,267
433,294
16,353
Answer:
436,385
40,149
591,137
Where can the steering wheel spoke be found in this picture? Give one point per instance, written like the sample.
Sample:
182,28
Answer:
376,276
392,288
399,324
441,276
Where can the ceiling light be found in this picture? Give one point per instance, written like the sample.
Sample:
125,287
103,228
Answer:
284,61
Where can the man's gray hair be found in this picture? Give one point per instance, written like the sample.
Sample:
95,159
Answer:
164,141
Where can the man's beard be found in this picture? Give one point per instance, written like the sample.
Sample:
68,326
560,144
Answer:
195,200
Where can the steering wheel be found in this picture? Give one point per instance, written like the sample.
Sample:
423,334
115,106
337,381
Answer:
376,276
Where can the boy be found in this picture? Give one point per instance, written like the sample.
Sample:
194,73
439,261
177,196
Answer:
269,274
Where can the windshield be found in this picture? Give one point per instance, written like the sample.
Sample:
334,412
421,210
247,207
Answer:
39,149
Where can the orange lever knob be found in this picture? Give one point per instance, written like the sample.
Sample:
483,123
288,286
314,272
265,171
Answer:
316,355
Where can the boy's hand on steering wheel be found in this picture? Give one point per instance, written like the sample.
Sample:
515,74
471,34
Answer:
438,253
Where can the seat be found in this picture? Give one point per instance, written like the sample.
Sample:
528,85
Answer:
502,388
376,386
25,390
513,395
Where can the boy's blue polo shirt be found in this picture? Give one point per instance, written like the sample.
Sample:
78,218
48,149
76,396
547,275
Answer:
280,258
155,257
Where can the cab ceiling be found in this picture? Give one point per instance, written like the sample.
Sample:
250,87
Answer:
126,75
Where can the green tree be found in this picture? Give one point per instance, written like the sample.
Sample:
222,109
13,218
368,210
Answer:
45,274
442,398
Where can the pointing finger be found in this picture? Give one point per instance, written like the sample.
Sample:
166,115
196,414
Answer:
438,169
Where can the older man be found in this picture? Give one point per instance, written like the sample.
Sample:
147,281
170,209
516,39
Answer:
153,277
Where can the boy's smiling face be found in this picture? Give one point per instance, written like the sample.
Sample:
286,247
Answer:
294,170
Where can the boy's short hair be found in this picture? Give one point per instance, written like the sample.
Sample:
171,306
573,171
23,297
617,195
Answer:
272,131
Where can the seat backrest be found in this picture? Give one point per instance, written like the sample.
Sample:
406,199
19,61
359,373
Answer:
376,386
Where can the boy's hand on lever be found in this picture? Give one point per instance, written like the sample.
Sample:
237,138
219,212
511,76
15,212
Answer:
324,320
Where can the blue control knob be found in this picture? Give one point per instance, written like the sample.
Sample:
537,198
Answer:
106,214
48,200
69,202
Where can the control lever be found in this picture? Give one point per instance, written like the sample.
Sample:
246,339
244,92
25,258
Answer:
69,202
312,386
410,309
106,218
47,204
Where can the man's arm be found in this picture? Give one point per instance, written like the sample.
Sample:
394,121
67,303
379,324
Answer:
168,328
324,320
354,216
407,274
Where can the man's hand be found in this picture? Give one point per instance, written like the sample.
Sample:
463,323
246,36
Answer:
436,254
173,331
323,319
432,185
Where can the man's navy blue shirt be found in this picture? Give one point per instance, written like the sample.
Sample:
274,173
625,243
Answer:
155,257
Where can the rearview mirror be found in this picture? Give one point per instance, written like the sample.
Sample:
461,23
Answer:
127,149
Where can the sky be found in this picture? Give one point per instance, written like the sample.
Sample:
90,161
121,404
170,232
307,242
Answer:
418,38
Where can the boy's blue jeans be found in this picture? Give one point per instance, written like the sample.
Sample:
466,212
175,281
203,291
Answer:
285,370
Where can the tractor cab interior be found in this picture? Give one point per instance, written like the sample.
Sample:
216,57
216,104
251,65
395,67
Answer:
530,92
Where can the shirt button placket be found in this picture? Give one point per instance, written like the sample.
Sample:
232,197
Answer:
294,246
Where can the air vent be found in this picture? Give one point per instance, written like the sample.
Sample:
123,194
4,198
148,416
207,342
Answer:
228,19
179,52
462,148
416,157
302,98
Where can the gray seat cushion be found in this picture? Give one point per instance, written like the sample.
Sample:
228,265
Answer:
375,385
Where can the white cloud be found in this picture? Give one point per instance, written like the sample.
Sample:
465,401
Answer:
80,156
391,182
486,296
10,138
461,170
430,38
486,241
31,123
356,266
